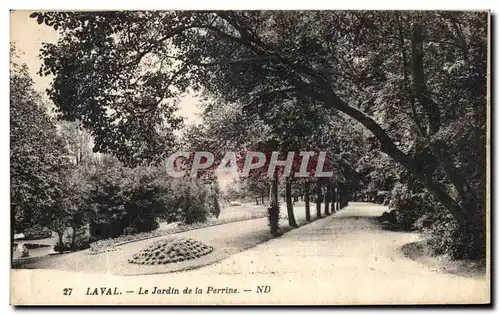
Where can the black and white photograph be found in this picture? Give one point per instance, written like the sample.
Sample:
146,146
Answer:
250,157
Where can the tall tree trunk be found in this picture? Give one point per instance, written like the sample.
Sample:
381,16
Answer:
318,200
346,195
262,198
73,238
331,100
289,204
434,118
337,197
273,210
307,185
60,238
393,151
334,199
11,239
327,198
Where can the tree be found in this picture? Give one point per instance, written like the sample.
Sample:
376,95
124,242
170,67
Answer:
70,211
78,141
307,189
37,156
349,62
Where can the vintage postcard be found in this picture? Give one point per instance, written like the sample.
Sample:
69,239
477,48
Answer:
250,157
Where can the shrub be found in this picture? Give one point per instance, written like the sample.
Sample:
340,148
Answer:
130,230
102,246
80,243
418,210
382,196
410,206
192,200
445,236
125,201
390,217
213,203
62,247
37,232
22,250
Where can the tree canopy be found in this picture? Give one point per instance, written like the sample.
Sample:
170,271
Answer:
410,79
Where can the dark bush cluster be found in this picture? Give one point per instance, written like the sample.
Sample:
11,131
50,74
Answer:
415,209
191,201
37,232
78,241
171,251
410,206
128,201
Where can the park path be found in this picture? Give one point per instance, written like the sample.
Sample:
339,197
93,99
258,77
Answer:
364,262
345,258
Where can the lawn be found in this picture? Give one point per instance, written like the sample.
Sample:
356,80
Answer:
227,239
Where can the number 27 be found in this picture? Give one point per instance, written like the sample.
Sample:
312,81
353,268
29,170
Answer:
67,291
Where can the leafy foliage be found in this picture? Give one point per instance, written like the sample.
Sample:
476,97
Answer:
125,198
37,232
416,81
37,156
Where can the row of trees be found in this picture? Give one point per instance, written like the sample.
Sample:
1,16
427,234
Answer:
409,86
222,130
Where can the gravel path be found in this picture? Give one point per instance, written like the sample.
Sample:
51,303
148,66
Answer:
226,239
343,259
351,250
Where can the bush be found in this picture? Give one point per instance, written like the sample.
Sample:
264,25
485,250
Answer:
22,250
125,201
102,246
419,211
410,206
382,196
80,243
445,236
390,217
37,232
213,203
62,247
129,230
192,200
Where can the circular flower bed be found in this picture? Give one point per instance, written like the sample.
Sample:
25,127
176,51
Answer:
170,251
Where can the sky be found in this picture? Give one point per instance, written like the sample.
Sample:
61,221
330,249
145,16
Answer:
28,36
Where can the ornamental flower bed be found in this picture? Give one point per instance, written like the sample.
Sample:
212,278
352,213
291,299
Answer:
171,251
111,244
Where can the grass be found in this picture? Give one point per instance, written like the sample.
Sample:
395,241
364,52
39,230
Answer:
110,244
419,252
